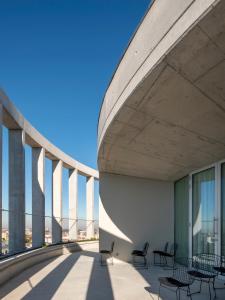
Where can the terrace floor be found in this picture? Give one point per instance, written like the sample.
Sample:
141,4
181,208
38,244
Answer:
79,276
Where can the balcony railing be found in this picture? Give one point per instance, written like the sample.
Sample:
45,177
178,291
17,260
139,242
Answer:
21,230
79,225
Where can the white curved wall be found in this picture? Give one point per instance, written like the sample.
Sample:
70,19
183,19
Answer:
133,211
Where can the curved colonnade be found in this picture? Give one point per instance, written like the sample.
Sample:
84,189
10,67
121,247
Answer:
20,133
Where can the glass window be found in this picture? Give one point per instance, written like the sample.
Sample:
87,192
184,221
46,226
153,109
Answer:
181,216
223,209
203,212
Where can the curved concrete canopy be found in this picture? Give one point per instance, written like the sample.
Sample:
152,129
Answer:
163,114
13,119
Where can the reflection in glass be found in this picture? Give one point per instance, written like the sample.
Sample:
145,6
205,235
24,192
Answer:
203,212
223,209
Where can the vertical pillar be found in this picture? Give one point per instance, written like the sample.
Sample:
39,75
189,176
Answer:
73,192
90,207
16,191
56,201
38,197
1,141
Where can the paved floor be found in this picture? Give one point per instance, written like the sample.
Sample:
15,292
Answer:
79,276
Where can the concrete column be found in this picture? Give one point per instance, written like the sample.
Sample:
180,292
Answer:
38,197
73,202
90,207
56,201
1,141
16,191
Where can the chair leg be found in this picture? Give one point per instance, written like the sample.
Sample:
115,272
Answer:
199,291
189,292
173,262
165,261
159,291
145,262
177,296
210,296
214,286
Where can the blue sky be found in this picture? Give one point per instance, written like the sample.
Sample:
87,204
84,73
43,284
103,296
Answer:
57,58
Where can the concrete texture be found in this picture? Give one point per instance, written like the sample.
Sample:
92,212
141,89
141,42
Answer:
73,204
90,207
56,201
16,191
38,197
163,114
134,211
80,276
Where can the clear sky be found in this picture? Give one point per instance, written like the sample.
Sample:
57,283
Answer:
56,60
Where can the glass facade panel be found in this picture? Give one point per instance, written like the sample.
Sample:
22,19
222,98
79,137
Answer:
203,212
181,216
223,209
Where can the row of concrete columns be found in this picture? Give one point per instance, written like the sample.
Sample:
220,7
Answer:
17,195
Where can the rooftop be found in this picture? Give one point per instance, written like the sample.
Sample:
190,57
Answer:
80,276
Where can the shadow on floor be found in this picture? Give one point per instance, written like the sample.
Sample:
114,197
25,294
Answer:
95,283
19,279
100,287
49,284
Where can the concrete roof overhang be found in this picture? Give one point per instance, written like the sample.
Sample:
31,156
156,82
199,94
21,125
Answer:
163,114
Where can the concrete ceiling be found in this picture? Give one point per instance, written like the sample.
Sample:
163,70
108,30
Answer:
174,122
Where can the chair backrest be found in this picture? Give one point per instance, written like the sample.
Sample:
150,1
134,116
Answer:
205,263
145,249
112,246
180,272
173,249
166,246
222,261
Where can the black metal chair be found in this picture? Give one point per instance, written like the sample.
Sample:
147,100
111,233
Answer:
107,253
180,280
203,271
160,254
219,267
171,255
141,253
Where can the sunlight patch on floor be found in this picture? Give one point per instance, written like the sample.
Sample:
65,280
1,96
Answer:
76,280
80,276
31,281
